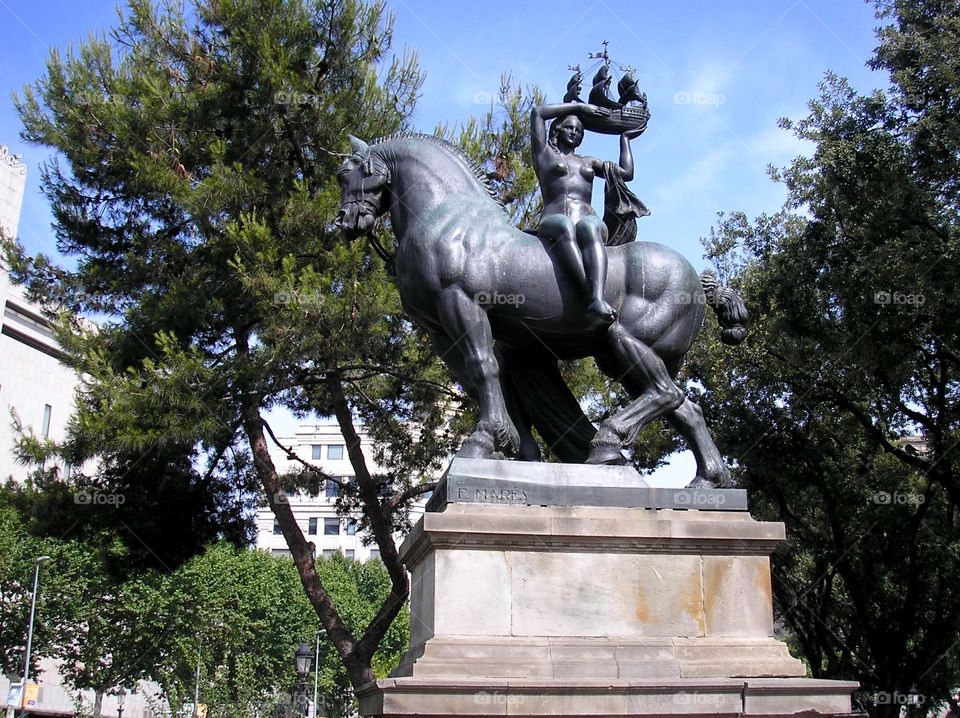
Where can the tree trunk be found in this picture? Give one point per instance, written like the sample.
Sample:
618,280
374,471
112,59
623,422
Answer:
380,525
357,664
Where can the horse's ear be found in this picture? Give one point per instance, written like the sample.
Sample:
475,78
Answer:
359,147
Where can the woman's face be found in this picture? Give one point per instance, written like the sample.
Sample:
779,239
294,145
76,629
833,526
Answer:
570,133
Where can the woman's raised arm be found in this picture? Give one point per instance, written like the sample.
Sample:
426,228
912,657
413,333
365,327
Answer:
626,158
541,113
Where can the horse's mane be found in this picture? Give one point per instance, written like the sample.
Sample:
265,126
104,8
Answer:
482,177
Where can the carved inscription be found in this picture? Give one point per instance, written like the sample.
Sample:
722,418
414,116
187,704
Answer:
503,496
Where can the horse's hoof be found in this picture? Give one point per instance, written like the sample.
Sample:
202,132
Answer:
714,476
700,482
475,447
606,454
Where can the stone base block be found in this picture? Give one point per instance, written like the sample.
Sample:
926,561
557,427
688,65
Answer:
570,658
527,698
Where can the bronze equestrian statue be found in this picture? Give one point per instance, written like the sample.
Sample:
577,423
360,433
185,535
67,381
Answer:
501,308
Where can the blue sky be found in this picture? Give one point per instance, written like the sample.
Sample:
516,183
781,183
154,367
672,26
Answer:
743,65
717,75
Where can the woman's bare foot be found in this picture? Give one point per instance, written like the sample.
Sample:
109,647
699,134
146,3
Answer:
600,309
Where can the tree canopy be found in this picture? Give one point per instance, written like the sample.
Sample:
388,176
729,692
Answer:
842,411
193,181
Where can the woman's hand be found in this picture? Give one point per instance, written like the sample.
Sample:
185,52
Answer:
635,132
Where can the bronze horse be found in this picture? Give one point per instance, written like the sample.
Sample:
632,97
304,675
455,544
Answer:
501,315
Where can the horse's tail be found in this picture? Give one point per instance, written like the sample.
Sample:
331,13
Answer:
729,307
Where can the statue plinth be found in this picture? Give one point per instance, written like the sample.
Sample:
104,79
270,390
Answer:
592,610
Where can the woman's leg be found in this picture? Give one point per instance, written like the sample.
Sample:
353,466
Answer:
590,234
559,229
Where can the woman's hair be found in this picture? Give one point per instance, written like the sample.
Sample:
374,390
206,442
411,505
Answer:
555,129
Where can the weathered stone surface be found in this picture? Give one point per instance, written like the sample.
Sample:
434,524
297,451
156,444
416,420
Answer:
613,658
473,596
758,698
591,529
738,598
423,591
526,610
658,592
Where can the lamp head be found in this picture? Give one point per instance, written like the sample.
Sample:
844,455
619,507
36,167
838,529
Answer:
303,655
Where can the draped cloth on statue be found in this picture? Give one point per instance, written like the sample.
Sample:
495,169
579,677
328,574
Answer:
621,207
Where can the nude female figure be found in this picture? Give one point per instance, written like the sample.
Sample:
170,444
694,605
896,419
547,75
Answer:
568,220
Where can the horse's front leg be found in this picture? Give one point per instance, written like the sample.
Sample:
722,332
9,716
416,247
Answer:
468,329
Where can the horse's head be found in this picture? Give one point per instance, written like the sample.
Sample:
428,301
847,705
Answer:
363,179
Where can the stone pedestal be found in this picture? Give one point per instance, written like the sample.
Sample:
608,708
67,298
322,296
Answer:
533,610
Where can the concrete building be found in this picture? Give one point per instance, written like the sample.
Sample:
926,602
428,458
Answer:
13,180
321,445
33,382
40,390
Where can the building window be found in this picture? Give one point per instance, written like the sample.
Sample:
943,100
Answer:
331,527
47,410
277,531
328,552
352,527
335,452
349,553
316,452
374,553
332,490
312,530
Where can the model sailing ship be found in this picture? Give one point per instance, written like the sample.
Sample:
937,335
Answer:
628,113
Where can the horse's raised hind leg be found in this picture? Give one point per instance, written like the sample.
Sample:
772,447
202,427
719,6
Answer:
657,394
687,419
467,327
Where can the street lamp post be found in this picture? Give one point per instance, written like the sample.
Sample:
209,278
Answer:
120,694
316,670
196,683
303,656
33,610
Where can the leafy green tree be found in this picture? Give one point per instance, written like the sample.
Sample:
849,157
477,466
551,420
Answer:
358,588
852,352
84,618
19,550
193,185
238,613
